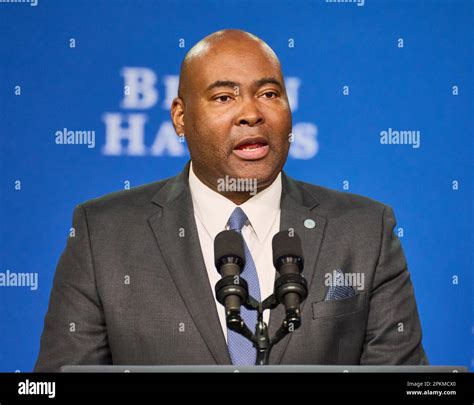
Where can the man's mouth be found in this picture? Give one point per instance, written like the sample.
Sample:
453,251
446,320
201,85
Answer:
252,148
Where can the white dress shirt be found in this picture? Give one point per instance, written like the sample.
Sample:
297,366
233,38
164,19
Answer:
212,212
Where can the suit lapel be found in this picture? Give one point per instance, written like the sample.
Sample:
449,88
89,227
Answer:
175,230
297,205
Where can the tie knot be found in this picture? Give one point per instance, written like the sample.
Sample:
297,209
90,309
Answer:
237,219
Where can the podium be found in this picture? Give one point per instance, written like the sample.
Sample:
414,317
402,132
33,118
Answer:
261,369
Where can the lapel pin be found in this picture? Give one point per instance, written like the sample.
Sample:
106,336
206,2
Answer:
309,223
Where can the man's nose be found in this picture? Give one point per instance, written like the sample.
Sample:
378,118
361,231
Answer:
250,114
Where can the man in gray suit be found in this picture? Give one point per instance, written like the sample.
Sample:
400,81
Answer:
135,284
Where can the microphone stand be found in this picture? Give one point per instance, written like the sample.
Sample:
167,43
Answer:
260,338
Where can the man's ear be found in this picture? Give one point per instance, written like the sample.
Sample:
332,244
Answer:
177,115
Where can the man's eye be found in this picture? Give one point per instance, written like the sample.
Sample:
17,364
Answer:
270,94
223,99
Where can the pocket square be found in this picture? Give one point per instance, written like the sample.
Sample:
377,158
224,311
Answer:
337,289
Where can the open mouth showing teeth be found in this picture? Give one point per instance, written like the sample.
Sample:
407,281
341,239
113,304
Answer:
251,146
252,151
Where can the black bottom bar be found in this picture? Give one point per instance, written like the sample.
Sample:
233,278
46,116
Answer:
376,387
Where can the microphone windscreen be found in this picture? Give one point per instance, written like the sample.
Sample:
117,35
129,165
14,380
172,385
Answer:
228,243
285,245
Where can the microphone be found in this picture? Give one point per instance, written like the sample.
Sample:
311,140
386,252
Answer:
232,290
291,287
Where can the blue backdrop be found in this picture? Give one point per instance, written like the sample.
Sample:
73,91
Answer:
381,93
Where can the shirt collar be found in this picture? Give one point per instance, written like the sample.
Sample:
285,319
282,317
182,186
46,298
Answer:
214,210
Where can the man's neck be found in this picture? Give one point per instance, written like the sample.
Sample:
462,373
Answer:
237,197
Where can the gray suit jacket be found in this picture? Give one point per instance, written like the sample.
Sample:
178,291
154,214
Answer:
131,285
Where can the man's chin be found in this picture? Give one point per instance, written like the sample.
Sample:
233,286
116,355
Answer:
262,174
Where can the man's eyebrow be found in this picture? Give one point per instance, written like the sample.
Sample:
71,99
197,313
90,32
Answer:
232,84
268,80
223,83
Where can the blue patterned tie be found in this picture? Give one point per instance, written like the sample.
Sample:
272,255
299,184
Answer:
241,349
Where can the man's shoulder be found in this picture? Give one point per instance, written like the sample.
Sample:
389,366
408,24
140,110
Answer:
134,198
333,201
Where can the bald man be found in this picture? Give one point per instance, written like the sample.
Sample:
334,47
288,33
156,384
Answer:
135,285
